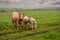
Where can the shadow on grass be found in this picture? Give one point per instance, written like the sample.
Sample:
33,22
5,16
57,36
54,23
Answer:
53,24
2,34
50,24
32,34
57,29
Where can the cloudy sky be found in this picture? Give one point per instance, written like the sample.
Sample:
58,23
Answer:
30,3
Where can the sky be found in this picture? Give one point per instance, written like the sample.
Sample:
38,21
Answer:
32,4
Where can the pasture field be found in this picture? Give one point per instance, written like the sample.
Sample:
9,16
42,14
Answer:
48,26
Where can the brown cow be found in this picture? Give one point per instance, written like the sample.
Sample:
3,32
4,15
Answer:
17,18
20,18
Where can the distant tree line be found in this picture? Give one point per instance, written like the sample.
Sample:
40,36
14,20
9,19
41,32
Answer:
9,9
19,9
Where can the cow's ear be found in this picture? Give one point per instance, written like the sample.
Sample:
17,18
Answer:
19,13
23,14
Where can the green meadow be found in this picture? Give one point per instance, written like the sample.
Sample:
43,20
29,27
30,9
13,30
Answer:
48,26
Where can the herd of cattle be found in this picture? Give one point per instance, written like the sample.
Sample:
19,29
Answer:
22,19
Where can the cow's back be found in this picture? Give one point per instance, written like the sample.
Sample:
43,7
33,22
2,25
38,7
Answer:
15,16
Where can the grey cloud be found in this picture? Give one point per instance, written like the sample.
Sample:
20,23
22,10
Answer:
30,3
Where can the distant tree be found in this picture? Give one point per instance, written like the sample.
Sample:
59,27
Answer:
3,10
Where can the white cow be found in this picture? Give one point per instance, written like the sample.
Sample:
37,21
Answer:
33,23
15,18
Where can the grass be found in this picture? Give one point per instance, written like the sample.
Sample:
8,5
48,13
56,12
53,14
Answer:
48,26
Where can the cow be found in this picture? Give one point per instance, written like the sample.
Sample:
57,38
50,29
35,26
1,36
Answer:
15,18
33,23
20,21
25,21
21,15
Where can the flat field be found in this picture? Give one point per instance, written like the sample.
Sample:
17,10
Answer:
48,26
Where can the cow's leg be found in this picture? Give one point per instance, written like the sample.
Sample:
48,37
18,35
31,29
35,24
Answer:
26,25
20,26
17,24
13,22
31,25
36,25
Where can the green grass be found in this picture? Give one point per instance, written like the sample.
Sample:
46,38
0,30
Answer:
48,26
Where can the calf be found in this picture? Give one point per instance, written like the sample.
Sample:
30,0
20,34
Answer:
25,21
33,23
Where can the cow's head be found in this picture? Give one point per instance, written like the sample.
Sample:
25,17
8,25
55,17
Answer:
21,15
